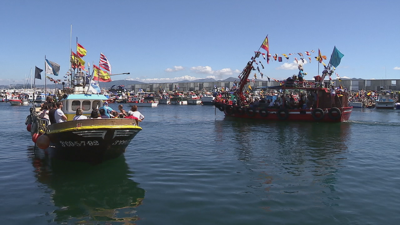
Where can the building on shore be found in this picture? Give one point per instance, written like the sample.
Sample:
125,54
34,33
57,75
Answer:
349,84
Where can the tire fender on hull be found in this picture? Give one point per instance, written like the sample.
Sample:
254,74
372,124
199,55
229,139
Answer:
334,113
318,114
282,114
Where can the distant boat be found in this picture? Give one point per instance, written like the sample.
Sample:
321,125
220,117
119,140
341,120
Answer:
15,100
384,101
193,100
207,99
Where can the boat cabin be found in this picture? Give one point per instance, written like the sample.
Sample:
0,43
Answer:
86,102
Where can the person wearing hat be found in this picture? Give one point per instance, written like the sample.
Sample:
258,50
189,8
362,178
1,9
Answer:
107,110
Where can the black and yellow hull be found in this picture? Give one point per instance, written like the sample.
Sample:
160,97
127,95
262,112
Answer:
91,140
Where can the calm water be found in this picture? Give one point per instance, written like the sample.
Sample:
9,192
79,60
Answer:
190,165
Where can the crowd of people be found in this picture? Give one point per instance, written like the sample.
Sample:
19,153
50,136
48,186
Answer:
53,113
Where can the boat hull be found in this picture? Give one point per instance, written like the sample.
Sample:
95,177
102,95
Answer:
15,102
146,104
384,105
164,101
194,102
273,114
179,102
92,140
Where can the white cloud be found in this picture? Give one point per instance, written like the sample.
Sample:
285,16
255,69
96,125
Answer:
176,68
396,68
291,66
162,80
202,69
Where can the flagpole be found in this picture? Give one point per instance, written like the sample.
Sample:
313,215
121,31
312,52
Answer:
45,87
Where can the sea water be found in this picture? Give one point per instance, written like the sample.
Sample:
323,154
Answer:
191,165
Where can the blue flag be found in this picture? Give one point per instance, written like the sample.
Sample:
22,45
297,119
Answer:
335,57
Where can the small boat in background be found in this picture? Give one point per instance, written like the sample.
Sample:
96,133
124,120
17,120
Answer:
193,99
144,99
207,99
15,100
385,100
178,99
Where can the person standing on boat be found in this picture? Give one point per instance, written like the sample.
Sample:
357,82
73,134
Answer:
52,111
59,114
107,109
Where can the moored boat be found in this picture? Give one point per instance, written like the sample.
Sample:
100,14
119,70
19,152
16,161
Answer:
193,99
207,99
15,100
178,99
385,101
144,99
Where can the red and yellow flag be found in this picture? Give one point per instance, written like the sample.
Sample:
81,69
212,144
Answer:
100,75
77,61
80,50
265,44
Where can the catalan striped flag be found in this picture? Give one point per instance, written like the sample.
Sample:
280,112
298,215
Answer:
104,63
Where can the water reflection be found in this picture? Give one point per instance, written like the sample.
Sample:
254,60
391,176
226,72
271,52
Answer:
293,158
81,192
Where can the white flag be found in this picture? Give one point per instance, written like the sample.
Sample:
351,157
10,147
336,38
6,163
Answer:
52,68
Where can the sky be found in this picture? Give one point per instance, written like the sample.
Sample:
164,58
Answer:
171,40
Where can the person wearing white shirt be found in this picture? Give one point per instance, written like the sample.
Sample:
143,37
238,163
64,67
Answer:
59,115
79,115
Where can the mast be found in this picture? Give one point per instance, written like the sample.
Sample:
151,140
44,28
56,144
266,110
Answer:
45,87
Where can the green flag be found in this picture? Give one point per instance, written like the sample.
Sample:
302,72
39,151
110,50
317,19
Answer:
335,57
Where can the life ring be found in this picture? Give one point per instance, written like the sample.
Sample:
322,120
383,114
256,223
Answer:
282,114
318,114
250,112
263,112
229,110
334,113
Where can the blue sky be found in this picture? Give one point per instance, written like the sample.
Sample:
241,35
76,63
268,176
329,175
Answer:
163,41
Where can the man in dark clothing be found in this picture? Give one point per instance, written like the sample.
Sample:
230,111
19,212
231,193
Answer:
52,110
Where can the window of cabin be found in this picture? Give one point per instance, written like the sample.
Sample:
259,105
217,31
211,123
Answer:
86,105
393,82
96,104
75,105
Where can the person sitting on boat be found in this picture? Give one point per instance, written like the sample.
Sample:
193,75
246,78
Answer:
122,113
95,114
59,114
134,112
107,109
103,113
79,115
